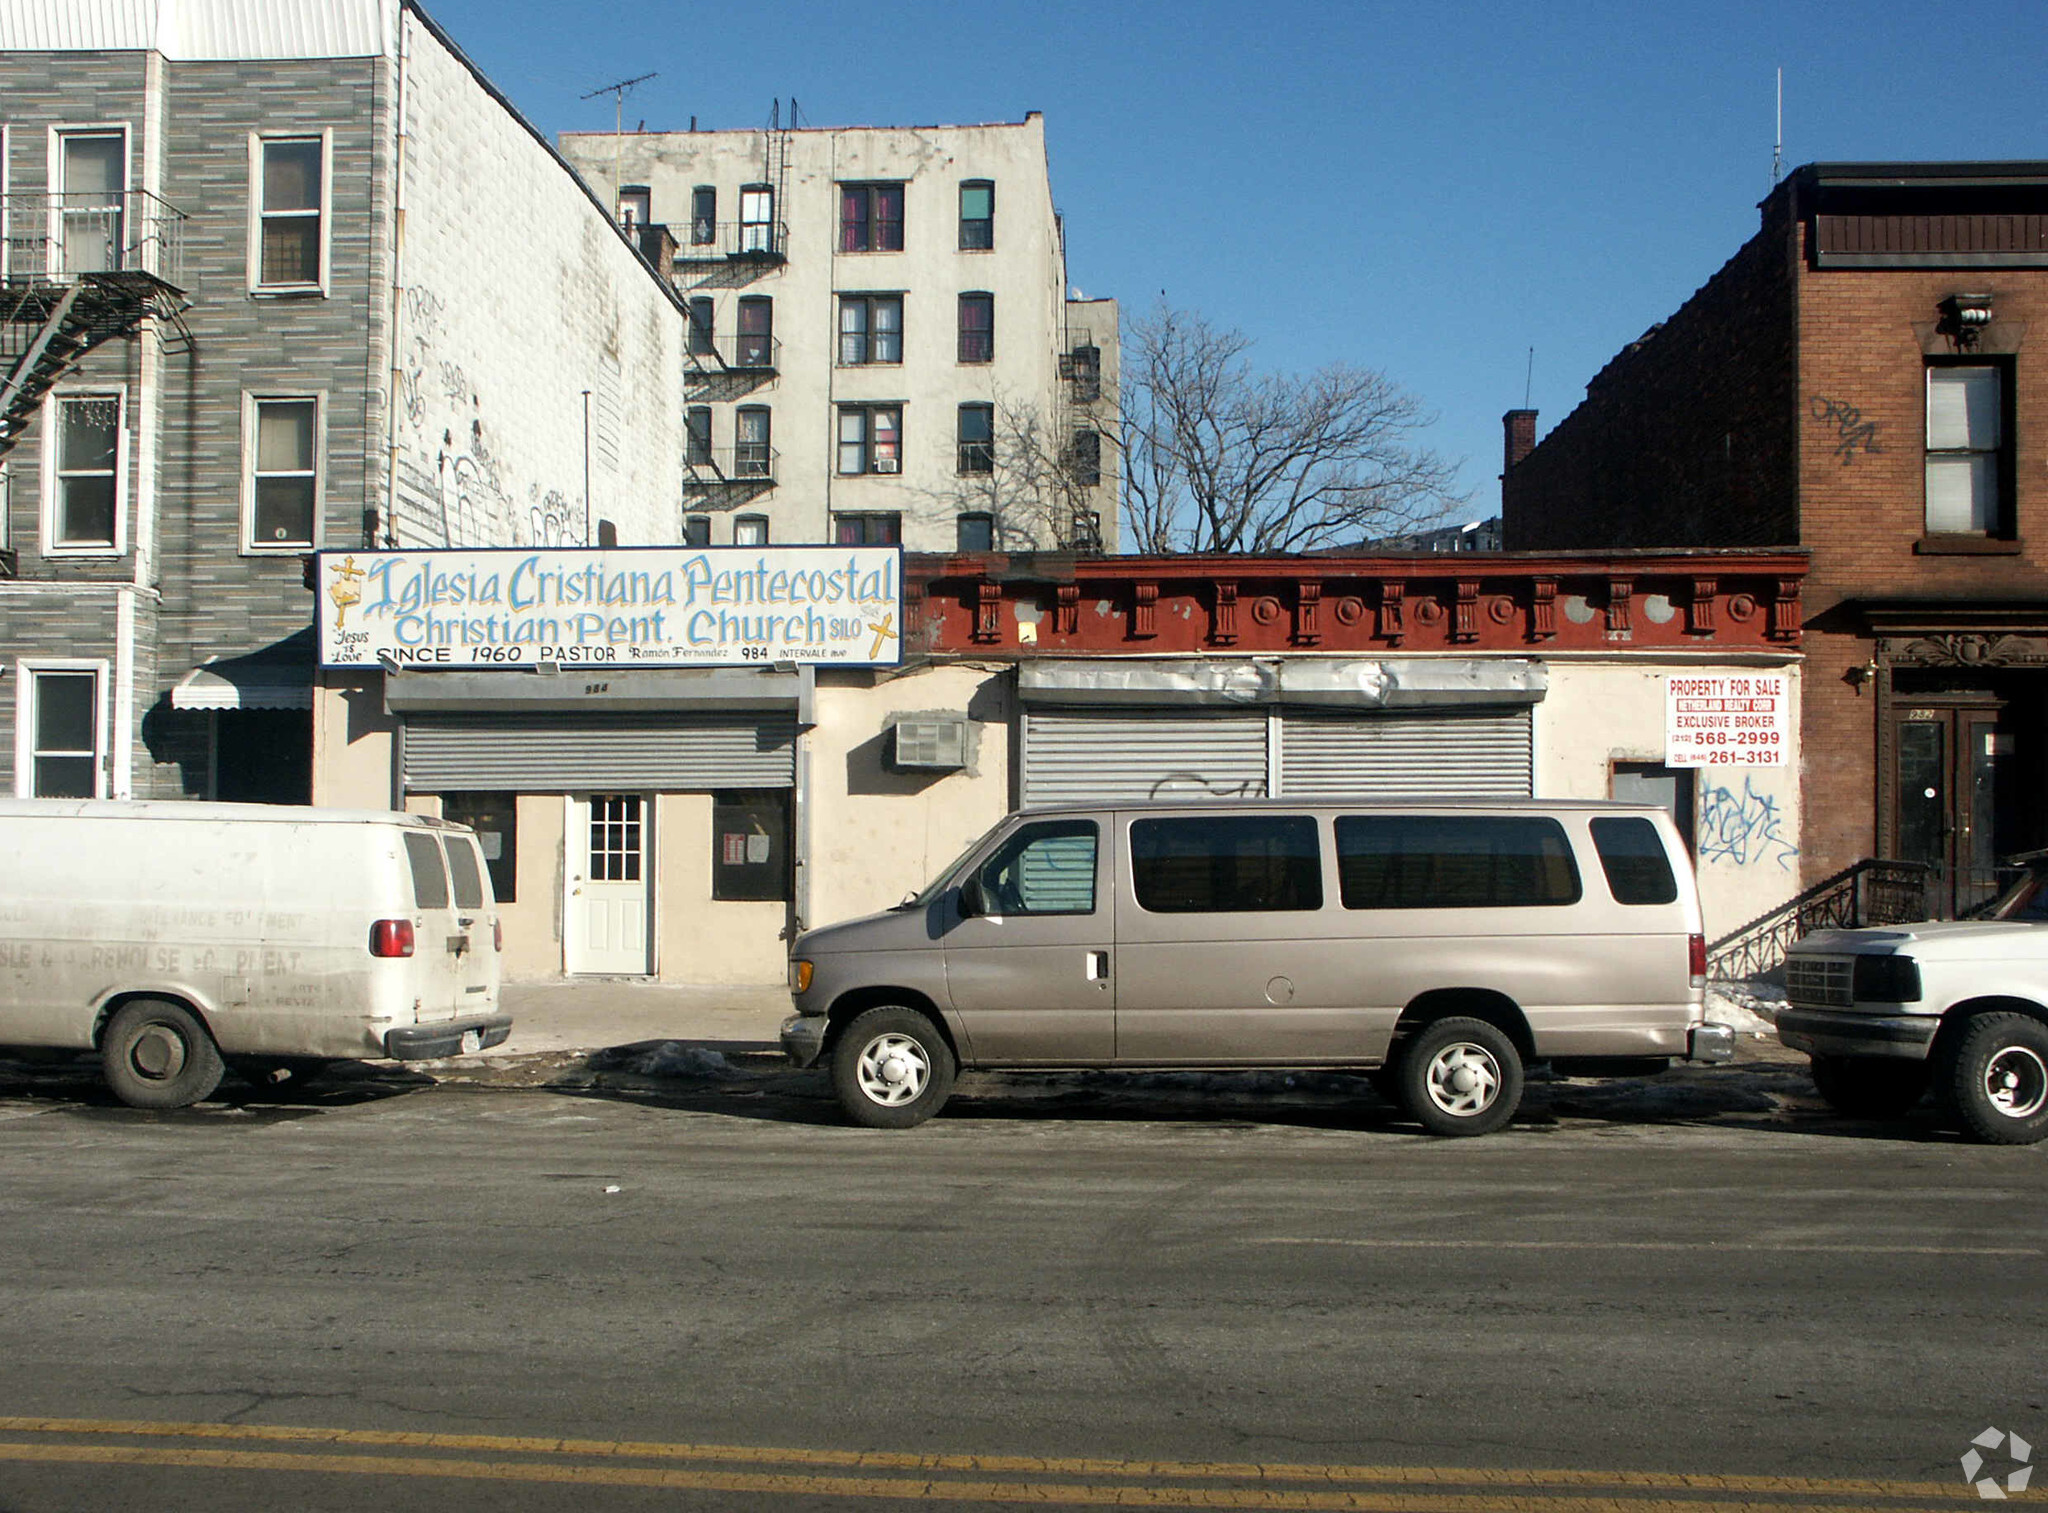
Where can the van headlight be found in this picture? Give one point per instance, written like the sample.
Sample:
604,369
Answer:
799,975
1885,979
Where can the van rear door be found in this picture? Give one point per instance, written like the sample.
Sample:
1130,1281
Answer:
476,951
438,942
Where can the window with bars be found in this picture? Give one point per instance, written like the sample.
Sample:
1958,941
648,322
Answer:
283,489
870,439
703,215
870,217
977,327
92,168
977,215
870,329
290,234
752,457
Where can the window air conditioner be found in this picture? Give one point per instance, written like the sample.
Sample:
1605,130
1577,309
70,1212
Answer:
886,464
931,742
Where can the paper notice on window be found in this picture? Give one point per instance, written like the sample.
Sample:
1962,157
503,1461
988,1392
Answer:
1727,720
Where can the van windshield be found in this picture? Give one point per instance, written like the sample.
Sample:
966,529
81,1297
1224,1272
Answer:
944,880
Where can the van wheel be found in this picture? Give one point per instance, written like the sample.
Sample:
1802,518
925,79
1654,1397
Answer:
1869,1087
1461,1077
1997,1079
891,1069
156,1054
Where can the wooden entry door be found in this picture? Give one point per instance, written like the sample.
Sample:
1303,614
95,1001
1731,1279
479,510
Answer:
1949,759
608,877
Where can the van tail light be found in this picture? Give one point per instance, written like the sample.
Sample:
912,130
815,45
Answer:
1696,959
391,937
497,935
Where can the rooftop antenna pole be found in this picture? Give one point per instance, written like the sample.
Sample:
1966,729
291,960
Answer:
1529,378
618,92
1778,146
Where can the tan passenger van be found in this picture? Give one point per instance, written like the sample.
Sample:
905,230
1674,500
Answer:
179,939
1439,946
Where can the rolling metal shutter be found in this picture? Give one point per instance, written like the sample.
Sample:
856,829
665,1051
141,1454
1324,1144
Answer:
1072,756
650,753
1482,754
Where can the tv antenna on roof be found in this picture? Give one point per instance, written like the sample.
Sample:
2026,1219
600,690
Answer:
1778,143
618,92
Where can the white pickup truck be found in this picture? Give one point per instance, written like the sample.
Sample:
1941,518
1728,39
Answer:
1957,1008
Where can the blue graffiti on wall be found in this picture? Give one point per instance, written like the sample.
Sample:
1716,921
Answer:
1744,828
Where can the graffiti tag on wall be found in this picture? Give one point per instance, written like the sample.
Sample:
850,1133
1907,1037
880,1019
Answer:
1746,828
1853,433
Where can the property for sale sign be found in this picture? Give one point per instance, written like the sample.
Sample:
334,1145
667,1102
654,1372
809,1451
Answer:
1727,719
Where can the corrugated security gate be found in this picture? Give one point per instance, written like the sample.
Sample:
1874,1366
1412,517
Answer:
1086,756
556,753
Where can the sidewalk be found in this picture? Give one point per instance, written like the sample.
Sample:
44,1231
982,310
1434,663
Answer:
597,1013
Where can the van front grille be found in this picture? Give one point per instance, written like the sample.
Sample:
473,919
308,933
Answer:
1822,980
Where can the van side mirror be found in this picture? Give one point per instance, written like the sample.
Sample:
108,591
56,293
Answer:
972,904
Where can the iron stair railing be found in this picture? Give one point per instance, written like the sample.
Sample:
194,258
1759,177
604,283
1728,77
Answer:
1874,891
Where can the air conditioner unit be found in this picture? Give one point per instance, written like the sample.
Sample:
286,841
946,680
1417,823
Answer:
931,742
887,465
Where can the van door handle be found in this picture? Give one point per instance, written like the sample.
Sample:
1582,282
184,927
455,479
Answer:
1098,966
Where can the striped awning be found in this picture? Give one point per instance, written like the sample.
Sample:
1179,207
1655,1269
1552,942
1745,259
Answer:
274,677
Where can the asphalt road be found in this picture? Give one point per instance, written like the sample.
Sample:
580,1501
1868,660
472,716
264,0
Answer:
704,1292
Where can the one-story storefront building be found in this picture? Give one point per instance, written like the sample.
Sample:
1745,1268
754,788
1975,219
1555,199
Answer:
675,792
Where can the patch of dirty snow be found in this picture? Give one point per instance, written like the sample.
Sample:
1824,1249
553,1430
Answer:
667,1058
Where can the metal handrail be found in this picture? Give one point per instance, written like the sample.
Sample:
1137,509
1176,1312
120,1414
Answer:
55,238
716,242
746,462
1874,891
735,352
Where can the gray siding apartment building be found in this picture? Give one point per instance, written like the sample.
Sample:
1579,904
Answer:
278,278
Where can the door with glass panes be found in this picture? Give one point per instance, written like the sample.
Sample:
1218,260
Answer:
1949,759
609,873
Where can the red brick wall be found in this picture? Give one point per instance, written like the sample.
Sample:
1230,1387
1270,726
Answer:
1687,437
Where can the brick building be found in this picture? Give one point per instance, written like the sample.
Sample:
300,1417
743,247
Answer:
1855,381
275,279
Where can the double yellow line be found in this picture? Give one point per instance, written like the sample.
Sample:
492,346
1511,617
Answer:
942,1478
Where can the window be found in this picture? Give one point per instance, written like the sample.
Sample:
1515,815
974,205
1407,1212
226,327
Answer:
756,346
58,732
696,530
1632,856
870,439
977,438
1085,456
290,239
1965,449
1046,868
495,819
282,503
750,530
635,205
867,530
1429,861
977,215
977,533
1654,783
870,217
701,340
429,874
752,457
750,845
757,218
977,327
1226,864
697,436
870,329
85,473
93,172
607,533
703,216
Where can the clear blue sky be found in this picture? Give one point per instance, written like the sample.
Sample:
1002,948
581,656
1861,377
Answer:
1429,189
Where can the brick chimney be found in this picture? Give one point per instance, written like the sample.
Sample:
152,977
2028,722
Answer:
1520,429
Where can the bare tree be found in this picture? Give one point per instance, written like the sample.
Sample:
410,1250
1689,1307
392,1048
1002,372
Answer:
1221,458
1023,478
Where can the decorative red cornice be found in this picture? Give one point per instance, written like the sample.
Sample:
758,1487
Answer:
1505,602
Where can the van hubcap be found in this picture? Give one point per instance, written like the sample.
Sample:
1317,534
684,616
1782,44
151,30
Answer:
159,1052
2016,1082
1463,1078
894,1069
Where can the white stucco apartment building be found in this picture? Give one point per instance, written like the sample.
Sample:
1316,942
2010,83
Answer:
883,347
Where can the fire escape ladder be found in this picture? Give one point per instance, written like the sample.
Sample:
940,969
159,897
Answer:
49,329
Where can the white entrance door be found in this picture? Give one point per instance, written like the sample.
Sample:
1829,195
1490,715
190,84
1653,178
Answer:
605,923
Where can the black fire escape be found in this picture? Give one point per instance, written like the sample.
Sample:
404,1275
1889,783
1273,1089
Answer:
76,272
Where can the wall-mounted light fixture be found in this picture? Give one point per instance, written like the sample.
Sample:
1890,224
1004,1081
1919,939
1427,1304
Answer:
1964,317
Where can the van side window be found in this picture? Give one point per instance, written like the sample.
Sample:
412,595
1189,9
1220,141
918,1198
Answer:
1226,864
1043,869
464,872
1453,861
1632,855
429,880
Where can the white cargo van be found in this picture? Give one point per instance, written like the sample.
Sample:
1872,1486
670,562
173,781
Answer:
176,937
